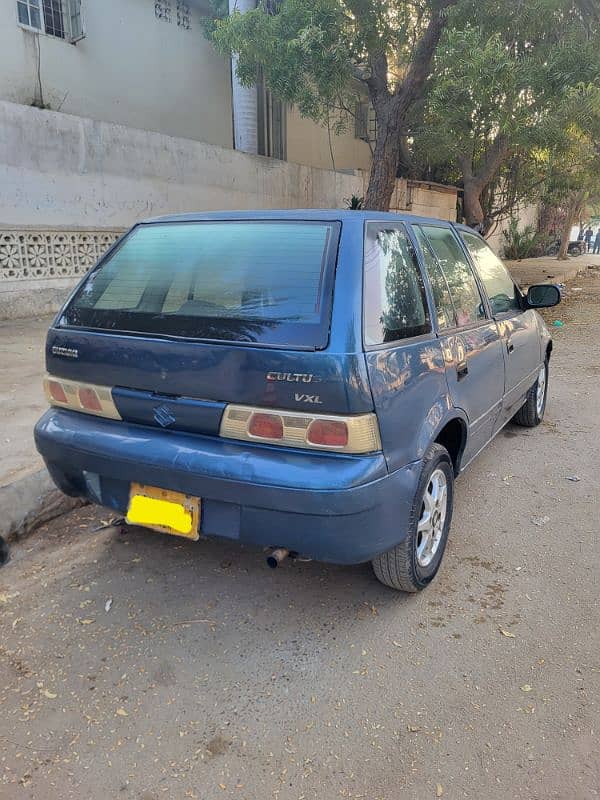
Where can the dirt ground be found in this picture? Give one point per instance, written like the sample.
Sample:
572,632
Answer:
140,666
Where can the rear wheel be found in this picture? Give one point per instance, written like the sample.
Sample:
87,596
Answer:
532,412
412,564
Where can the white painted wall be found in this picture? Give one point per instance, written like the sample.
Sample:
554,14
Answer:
61,170
131,69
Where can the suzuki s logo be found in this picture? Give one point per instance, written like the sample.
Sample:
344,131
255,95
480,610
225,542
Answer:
308,398
163,416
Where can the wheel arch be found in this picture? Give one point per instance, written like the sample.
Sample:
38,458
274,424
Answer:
453,436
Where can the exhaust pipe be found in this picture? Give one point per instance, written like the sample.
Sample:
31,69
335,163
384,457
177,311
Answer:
275,558
5,552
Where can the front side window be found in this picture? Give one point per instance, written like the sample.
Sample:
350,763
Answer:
395,305
462,285
267,282
500,287
60,18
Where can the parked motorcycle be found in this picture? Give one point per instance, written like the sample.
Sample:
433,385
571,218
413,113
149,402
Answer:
575,248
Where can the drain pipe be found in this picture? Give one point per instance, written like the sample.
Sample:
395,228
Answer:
244,99
275,558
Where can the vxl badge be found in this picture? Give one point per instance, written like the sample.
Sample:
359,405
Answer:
298,377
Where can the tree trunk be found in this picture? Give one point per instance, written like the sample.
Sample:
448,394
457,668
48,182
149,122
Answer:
392,109
472,208
475,183
572,213
386,158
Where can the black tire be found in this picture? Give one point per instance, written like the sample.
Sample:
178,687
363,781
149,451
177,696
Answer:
399,567
529,416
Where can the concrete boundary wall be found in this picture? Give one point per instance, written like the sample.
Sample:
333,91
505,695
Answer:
60,170
71,180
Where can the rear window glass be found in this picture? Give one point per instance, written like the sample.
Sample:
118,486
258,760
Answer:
265,282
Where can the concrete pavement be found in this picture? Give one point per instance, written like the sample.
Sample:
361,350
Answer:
27,495
140,666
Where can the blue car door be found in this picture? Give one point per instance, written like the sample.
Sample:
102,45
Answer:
404,357
469,337
518,328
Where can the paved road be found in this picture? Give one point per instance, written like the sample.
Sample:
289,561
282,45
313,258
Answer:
212,677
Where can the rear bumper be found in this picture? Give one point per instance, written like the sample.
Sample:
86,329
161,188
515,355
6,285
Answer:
343,509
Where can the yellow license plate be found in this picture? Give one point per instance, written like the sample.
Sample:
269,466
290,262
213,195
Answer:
169,512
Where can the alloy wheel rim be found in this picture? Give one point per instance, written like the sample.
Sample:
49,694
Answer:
541,391
430,527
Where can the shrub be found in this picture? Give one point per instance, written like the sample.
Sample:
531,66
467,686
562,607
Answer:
524,243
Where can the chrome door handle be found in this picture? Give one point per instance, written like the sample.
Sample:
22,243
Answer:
462,370
510,346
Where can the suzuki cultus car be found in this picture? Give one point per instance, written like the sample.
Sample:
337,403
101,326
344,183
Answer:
307,381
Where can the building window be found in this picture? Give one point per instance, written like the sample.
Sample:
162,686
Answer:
60,18
365,122
184,15
53,18
29,13
272,123
174,11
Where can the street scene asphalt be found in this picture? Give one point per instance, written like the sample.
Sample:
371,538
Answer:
136,665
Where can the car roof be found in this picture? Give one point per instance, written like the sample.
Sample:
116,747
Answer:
304,214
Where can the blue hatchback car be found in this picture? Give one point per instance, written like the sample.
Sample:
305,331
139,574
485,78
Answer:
308,381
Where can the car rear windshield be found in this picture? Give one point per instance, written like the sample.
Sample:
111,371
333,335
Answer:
267,282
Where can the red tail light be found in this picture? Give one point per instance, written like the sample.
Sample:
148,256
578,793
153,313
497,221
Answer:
82,397
57,392
89,399
331,433
266,426
357,433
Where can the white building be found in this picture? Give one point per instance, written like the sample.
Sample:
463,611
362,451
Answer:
115,110
145,64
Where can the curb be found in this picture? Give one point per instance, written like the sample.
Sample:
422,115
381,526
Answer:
563,271
31,501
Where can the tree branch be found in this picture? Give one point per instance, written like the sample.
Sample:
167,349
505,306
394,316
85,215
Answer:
411,87
494,157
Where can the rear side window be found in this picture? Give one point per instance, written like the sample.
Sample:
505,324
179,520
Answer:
499,286
459,276
252,281
439,287
395,306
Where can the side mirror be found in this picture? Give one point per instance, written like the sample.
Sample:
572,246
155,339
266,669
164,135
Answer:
542,295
